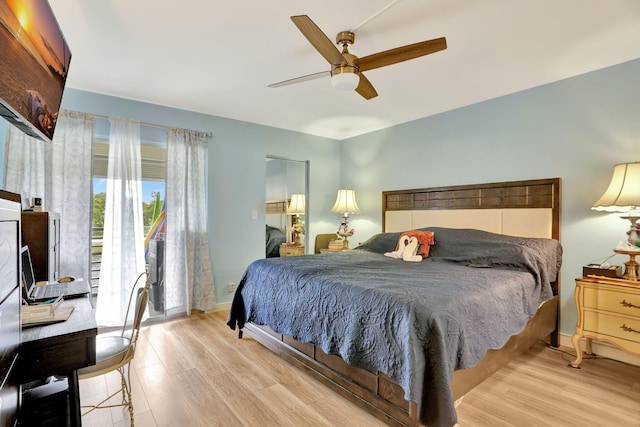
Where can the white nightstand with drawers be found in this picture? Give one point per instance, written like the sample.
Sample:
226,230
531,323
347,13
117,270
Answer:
608,310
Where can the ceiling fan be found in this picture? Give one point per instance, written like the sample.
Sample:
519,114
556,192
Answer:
346,69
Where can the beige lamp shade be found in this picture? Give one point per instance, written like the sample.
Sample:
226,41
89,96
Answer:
346,203
296,205
623,193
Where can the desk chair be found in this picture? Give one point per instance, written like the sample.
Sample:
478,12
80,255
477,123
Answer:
115,351
322,241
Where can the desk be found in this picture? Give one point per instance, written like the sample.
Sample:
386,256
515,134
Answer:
61,349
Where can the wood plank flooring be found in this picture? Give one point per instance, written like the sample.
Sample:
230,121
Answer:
195,372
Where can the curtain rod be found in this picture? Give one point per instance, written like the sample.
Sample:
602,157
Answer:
100,116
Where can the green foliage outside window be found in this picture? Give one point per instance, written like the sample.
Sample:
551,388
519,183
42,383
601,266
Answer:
150,211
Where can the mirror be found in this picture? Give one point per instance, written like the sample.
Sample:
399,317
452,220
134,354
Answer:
285,231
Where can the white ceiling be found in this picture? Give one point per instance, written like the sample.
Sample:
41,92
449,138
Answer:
217,57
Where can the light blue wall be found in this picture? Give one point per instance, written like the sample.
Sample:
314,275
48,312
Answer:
237,172
575,129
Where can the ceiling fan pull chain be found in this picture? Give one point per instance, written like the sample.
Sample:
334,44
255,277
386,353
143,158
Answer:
375,14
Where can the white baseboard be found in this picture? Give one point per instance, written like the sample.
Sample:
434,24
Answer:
603,349
220,307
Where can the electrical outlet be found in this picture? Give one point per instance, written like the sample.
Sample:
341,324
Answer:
232,287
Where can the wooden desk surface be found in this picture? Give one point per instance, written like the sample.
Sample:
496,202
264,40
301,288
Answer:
59,348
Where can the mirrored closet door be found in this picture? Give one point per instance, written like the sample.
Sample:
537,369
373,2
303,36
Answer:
286,207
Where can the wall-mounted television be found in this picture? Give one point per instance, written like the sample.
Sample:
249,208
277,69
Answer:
34,62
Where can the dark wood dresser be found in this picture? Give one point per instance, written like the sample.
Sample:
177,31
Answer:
41,232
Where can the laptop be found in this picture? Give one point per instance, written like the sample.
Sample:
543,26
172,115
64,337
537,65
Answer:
33,293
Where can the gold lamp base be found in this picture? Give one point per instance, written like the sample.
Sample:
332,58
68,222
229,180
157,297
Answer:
631,266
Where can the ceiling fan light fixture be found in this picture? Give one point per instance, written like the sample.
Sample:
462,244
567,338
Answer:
345,78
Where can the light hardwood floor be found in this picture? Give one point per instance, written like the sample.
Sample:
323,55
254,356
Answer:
195,372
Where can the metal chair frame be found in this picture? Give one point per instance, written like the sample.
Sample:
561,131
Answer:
122,361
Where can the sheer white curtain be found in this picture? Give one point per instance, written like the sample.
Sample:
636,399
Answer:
24,170
123,239
189,277
60,173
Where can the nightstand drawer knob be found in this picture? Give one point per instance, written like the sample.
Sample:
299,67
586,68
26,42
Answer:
624,303
628,329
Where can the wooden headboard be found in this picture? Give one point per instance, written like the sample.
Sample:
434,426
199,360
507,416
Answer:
517,208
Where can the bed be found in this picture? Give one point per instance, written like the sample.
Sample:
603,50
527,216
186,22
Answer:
376,335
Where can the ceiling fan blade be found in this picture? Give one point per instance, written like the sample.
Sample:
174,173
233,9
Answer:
318,39
365,88
302,79
399,54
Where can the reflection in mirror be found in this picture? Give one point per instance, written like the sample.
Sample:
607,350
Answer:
285,209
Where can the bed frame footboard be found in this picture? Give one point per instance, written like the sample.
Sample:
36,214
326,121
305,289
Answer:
374,392
377,393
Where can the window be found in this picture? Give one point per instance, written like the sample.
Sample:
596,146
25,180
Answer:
154,155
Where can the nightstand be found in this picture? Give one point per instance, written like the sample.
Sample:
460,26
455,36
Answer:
290,250
329,251
608,310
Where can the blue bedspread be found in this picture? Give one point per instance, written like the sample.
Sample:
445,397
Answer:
415,322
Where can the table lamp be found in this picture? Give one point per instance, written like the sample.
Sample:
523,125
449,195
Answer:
297,207
345,204
623,195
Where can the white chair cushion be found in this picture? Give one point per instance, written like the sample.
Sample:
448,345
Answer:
111,351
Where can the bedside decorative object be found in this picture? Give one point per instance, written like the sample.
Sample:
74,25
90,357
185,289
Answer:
623,195
608,310
345,204
605,270
336,245
297,207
